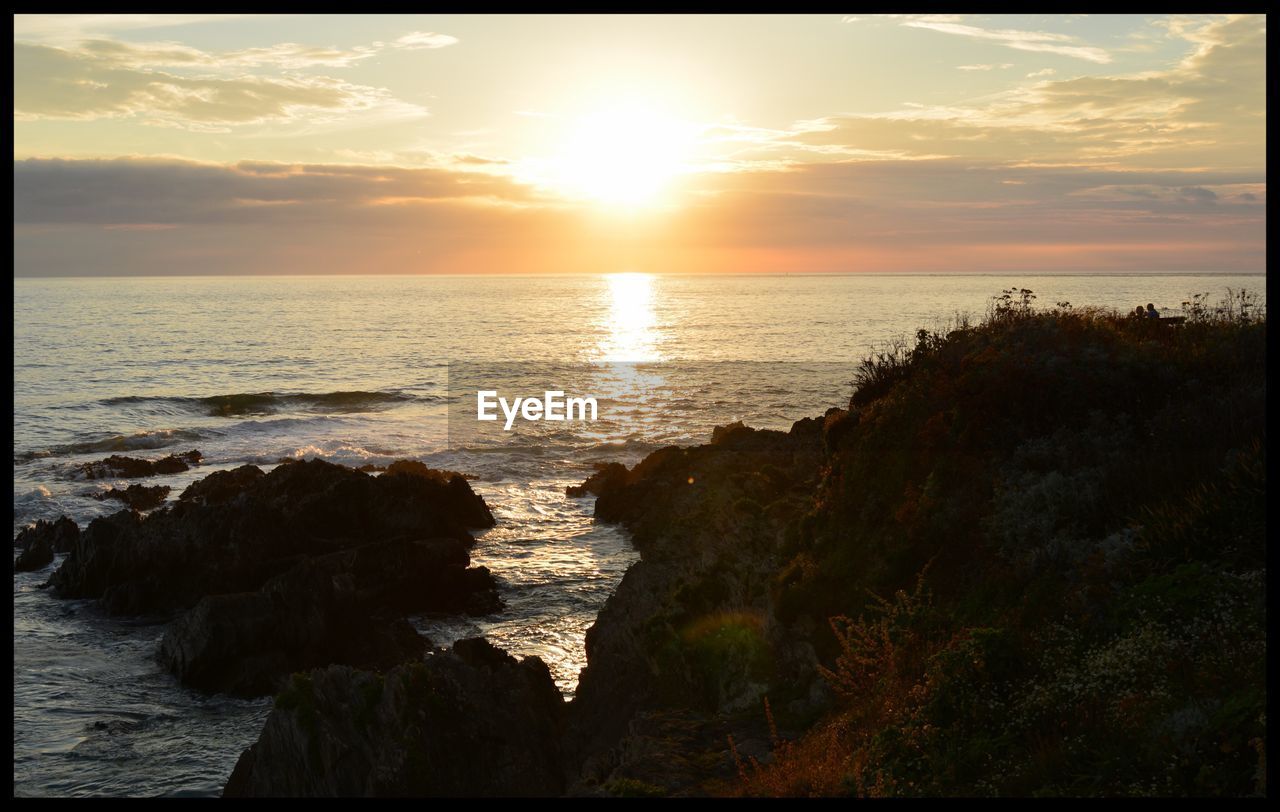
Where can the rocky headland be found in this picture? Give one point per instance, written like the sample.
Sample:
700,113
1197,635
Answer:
1027,558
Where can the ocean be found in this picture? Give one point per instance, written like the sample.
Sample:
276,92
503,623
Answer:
367,370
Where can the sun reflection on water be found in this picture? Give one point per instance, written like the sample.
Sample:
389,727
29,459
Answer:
632,333
627,376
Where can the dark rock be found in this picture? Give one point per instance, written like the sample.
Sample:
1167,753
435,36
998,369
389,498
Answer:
481,590
673,488
609,476
721,434
118,466
61,534
430,575
138,497
248,643
38,556
691,624
308,565
41,541
470,722
468,508
132,467
236,532
221,486
177,463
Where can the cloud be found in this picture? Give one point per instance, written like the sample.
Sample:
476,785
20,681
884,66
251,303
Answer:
138,216
1001,66
106,80
1036,41
1198,195
953,215
479,160
177,85
284,55
1159,170
143,191
75,27
1208,110
425,39
146,216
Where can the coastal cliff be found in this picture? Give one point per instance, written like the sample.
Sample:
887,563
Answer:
1027,558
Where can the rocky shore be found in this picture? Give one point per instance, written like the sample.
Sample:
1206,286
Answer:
990,574
679,659
261,575
1027,558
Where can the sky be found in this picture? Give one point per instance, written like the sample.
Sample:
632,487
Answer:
216,144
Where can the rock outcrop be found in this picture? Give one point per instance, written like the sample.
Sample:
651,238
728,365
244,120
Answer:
236,529
308,565
685,643
691,625
133,467
343,608
138,497
40,542
470,722
248,643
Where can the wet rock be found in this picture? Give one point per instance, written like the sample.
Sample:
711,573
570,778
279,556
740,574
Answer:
41,541
608,476
177,463
138,497
118,466
470,722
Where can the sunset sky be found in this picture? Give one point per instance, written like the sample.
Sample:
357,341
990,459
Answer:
465,144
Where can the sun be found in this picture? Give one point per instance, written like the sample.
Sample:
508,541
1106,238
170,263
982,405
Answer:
625,156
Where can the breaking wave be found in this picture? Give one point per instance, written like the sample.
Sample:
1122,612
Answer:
141,441
271,402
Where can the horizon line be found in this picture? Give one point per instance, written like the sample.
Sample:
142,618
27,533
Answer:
525,275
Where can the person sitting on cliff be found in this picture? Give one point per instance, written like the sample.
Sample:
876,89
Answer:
1152,313
1139,312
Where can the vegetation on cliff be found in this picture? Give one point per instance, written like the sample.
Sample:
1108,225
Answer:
1037,552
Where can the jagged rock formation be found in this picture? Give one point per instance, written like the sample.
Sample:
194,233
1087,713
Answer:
41,541
470,722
